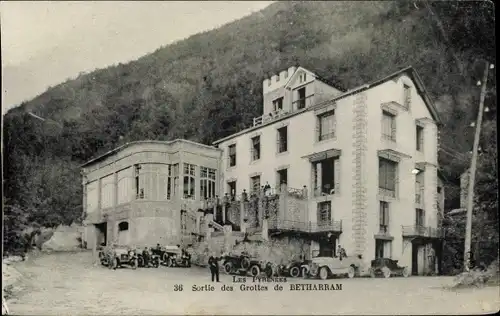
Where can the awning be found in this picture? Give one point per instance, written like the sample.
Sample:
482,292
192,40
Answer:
330,153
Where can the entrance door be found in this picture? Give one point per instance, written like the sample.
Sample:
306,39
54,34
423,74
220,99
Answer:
327,247
101,233
414,259
379,248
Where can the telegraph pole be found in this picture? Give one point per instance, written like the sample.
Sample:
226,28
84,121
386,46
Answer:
472,171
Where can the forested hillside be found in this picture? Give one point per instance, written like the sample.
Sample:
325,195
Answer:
209,85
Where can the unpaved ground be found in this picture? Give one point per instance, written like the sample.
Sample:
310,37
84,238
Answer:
67,284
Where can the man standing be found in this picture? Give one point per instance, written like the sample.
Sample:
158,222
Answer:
213,263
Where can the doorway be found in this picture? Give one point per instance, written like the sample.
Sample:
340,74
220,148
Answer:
414,259
101,233
327,246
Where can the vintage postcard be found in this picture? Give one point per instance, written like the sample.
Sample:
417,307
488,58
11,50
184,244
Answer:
249,158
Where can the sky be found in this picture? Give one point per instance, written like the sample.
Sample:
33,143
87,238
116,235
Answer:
46,42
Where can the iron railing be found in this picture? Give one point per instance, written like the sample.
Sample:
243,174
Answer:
421,231
308,227
297,105
303,103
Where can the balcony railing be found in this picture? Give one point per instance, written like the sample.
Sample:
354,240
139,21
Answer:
421,231
303,103
274,115
307,227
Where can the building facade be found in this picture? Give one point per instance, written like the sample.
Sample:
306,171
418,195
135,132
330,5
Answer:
365,159
148,192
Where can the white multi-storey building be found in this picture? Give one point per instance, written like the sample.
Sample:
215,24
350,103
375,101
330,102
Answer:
367,159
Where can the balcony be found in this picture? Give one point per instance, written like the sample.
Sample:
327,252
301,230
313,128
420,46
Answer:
306,227
421,231
274,115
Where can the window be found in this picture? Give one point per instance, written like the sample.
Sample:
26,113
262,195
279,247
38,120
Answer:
418,192
255,184
231,186
232,155
107,191
175,176
383,248
278,104
407,95
419,218
324,212
384,217
388,126
255,154
387,175
324,176
207,182
420,138
189,181
301,100
281,177
326,126
125,185
282,139
169,183
139,192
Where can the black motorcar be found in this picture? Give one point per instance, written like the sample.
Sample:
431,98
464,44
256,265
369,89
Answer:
153,260
387,267
242,264
118,256
292,269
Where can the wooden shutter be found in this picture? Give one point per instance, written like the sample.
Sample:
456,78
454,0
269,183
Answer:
336,168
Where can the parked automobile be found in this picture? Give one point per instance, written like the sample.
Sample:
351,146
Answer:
294,268
387,267
118,256
176,257
243,264
326,267
154,260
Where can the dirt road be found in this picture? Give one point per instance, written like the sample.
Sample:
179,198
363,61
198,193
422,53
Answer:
66,284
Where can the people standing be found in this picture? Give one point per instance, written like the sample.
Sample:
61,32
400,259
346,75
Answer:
213,263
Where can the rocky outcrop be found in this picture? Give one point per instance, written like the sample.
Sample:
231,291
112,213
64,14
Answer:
63,238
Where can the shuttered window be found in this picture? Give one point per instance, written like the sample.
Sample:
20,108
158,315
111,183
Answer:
326,126
387,174
388,126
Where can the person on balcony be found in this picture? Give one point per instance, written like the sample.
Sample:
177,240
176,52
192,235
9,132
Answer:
267,189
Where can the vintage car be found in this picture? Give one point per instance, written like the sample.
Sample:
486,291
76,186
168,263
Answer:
325,267
387,267
118,256
294,269
243,264
175,257
154,260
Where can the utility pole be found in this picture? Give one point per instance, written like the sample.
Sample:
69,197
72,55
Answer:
472,172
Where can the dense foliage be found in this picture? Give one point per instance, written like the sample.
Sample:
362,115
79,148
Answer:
209,86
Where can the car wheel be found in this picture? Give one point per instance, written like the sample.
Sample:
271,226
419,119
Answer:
351,273
372,273
295,272
134,264
254,271
305,274
228,267
245,263
387,272
269,270
406,272
323,273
